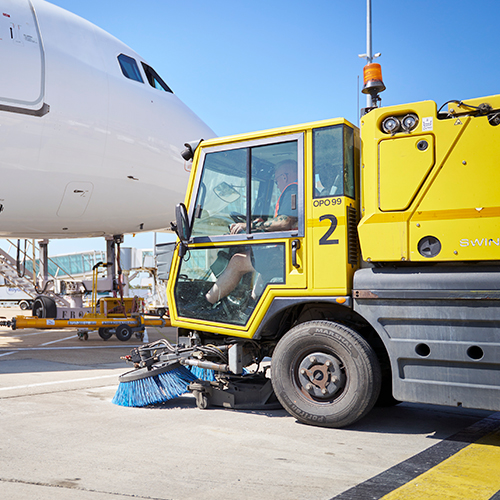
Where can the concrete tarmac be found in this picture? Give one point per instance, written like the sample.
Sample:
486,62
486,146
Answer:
62,438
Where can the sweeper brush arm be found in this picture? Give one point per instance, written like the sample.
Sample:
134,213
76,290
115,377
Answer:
162,351
215,374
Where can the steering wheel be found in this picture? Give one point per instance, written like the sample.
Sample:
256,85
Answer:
238,217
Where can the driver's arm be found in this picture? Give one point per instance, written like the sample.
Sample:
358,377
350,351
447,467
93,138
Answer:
278,223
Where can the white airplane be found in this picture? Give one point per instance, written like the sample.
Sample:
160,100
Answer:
90,135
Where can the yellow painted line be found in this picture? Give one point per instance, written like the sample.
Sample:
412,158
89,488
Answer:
471,474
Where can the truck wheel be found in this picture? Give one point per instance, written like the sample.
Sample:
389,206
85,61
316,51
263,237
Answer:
385,398
123,333
325,374
24,305
105,334
44,307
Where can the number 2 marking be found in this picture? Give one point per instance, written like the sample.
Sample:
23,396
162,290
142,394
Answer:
333,225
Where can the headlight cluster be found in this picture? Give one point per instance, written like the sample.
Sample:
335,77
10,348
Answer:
404,123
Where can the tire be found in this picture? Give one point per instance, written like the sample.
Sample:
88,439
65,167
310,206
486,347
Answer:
325,374
123,333
23,304
385,398
44,307
105,333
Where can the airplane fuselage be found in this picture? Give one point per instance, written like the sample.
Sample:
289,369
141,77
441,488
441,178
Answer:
89,140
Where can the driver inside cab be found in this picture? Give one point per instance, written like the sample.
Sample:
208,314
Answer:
285,219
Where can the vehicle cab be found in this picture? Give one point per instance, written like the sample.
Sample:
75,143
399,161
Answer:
273,214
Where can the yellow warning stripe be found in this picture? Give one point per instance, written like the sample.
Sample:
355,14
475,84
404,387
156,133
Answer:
341,221
473,474
456,214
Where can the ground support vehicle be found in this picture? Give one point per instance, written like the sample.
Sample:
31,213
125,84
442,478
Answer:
122,326
113,316
120,316
386,288
12,297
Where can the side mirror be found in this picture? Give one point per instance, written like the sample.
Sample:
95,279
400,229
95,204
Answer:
183,227
188,153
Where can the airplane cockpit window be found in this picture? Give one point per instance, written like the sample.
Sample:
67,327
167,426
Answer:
129,68
154,80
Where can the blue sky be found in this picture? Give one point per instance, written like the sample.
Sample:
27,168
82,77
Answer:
244,66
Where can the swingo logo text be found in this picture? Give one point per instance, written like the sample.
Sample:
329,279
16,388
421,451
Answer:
483,242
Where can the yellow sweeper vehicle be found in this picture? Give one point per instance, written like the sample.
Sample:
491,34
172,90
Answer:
361,265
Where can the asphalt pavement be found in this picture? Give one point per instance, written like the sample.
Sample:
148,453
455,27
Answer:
62,438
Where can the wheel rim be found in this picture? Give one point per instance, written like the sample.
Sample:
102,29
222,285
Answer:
104,333
123,333
38,310
320,376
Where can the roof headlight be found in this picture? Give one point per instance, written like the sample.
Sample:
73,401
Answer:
391,125
409,122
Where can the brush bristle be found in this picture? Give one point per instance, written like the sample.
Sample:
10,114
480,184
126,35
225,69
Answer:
208,375
202,373
151,390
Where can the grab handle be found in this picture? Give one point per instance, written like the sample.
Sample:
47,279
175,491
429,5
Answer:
295,247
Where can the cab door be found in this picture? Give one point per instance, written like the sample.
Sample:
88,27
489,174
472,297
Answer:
247,239
333,209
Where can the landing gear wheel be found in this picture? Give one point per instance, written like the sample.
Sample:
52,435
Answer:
105,333
123,333
325,374
44,307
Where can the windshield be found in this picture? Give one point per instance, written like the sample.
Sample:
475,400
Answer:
200,272
239,185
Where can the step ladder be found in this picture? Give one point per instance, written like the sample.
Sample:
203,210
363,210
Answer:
8,270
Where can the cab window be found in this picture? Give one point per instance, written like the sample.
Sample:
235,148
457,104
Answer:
199,273
248,190
333,158
129,68
154,80
349,185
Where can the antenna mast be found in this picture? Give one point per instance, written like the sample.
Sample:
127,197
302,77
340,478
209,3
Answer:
372,73
369,55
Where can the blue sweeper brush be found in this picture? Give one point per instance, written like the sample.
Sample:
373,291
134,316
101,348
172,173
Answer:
203,373
206,374
158,384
